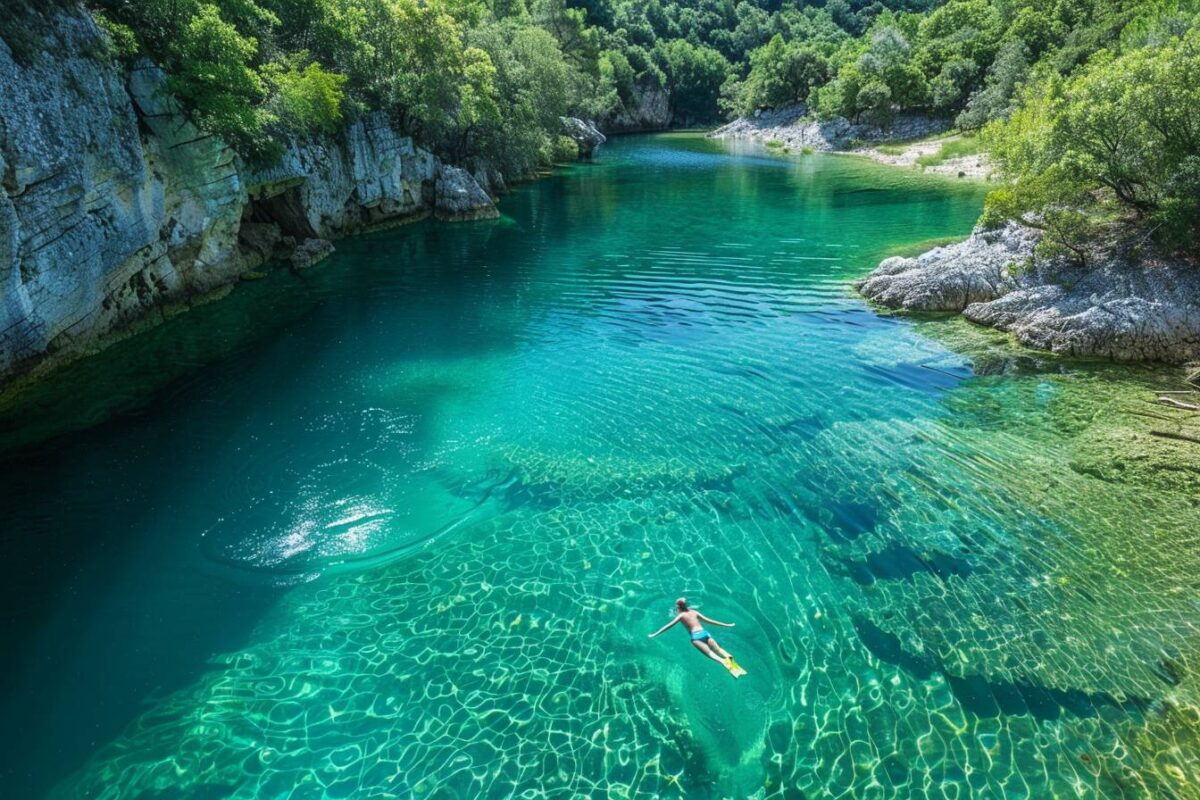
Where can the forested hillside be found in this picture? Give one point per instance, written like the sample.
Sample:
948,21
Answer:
1089,107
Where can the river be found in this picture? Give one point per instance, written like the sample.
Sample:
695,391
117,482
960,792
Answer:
398,526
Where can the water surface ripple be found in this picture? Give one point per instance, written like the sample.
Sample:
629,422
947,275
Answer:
398,527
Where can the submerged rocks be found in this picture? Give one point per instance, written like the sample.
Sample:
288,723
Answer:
460,197
585,134
795,128
1125,309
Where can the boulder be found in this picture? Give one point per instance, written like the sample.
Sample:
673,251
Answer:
459,197
309,252
950,278
1117,306
585,134
259,243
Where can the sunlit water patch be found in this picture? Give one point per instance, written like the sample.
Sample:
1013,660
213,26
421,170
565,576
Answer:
477,469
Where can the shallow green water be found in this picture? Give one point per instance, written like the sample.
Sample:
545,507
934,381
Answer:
398,527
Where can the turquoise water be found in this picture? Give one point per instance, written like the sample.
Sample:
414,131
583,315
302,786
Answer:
398,527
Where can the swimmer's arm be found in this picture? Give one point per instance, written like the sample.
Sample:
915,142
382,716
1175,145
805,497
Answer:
714,622
664,627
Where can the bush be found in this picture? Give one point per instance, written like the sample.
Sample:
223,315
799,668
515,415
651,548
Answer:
307,100
214,77
1117,137
122,41
564,150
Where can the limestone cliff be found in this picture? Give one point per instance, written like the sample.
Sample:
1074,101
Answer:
116,208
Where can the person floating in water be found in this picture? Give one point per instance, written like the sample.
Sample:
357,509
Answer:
702,640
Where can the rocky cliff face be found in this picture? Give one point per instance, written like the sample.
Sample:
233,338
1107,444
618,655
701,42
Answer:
115,207
1127,310
649,109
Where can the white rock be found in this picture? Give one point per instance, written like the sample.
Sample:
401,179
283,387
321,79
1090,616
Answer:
1144,310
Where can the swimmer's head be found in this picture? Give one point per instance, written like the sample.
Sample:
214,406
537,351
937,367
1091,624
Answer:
681,604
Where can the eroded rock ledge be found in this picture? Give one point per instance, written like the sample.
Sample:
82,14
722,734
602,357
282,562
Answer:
1126,310
115,208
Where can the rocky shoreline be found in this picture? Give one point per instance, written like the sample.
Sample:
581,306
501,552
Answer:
1118,308
795,129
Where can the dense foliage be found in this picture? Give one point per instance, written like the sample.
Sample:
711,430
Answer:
480,77
1114,144
1090,108
466,77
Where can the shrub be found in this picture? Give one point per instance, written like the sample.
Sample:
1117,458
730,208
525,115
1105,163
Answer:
214,77
306,100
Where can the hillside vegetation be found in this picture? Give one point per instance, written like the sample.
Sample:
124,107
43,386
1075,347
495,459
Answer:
485,78
1089,108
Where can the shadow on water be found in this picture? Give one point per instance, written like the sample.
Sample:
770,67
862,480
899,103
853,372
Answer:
898,562
844,520
114,465
986,698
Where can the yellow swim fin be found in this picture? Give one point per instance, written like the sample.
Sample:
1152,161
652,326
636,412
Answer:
735,669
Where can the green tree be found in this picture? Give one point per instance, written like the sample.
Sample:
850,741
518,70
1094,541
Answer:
781,73
1120,139
531,90
214,76
995,100
307,100
694,76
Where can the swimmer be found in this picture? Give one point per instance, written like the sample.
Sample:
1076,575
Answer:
702,640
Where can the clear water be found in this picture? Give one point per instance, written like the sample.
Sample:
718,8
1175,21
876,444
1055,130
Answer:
399,527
